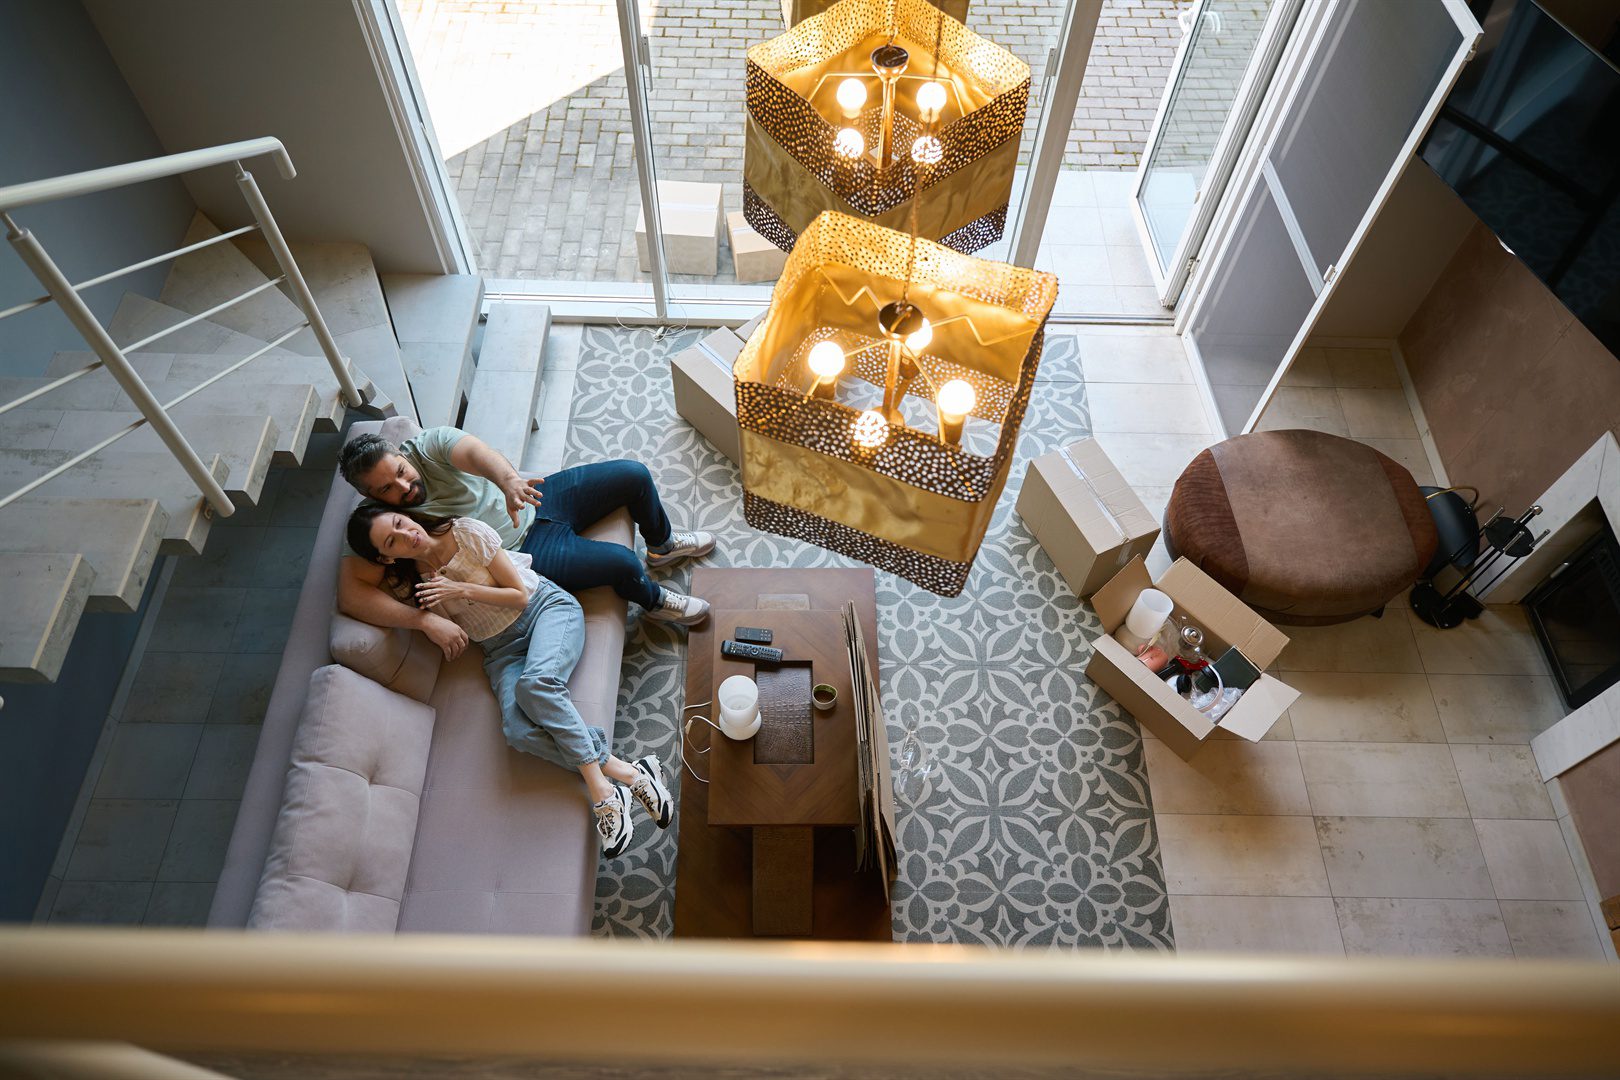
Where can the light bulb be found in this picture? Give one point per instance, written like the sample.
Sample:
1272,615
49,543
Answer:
870,430
930,101
849,143
851,95
918,339
927,151
957,398
827,360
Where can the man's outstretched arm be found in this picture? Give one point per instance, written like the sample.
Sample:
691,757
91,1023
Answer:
473,455
361,596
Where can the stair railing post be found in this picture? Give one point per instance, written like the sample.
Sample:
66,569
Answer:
295,280
101,343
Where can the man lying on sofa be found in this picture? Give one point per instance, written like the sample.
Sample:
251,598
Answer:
446,472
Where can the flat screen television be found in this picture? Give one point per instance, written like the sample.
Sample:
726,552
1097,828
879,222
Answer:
1530,140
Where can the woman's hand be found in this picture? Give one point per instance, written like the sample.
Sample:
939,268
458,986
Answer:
438,588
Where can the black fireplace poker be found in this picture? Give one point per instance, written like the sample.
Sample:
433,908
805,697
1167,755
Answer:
1505,541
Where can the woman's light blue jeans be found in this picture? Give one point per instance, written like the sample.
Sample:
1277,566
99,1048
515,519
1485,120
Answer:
528,664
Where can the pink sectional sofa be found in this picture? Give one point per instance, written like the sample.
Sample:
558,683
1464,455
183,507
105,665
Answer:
382,795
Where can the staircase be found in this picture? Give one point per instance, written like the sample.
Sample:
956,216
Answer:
88,539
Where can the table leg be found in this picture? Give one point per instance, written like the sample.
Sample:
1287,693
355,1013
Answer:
784,880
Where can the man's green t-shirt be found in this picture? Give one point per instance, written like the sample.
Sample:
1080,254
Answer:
453,493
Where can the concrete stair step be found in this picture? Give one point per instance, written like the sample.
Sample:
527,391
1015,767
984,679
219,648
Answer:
344,281
293,406
246,443
119,538
506,382
45,595
115,474
203,279
186,369
435,317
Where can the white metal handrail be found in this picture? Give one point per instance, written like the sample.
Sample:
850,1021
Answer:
115,357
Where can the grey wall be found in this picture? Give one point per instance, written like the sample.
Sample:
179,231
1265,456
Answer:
215,71
66,109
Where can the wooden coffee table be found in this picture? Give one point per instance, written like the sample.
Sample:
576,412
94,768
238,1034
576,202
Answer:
768,849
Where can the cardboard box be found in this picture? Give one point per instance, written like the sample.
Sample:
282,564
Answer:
689,212
1226,622
1085,515
752,256
705,393
746,330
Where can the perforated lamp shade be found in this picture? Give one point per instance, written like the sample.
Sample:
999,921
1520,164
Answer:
905,501
793,170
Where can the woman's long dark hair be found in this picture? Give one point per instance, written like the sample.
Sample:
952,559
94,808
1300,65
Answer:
401,575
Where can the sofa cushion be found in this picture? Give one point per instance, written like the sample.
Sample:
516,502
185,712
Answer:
343,839
403,660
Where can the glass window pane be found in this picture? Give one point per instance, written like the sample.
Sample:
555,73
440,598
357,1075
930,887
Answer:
1384,59
1219,54
1256,306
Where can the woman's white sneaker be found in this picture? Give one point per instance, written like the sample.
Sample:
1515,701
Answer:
613,822
676,608
681,545
651,793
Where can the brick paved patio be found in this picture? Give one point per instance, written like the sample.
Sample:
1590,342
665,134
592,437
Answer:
529,102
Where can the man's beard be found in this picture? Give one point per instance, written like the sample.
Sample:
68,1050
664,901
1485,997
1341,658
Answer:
416,496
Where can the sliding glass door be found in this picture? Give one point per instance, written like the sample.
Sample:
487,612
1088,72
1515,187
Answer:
1373,76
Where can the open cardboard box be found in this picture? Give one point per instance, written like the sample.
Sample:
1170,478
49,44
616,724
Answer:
706,392
1226,622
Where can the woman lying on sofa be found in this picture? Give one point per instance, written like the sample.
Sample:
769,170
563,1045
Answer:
531,632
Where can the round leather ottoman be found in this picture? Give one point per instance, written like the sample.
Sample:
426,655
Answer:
1305,528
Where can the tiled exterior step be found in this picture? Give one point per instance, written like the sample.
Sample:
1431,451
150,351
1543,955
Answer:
434,318
506,383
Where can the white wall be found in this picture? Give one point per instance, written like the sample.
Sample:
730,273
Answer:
214,71
1415,236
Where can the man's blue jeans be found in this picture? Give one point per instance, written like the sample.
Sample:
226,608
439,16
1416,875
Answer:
528,665
578,498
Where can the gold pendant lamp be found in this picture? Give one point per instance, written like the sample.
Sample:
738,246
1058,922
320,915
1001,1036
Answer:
888,110
880,400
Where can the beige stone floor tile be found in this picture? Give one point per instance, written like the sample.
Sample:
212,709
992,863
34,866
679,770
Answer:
1315,408
1363,368
1151,357
1144,407
1377,414
1547,928
1499,642
1310,368
1360,707
1235,777
1421,927
1416,857
1256,924
1409,453
1528,860
1382,779
1151,460
1362,645
1501,781
1281,731
1241,855
1496,708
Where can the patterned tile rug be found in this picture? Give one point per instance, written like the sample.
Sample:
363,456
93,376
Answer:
1035,828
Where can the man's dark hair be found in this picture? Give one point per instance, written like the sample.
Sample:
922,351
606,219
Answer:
360,455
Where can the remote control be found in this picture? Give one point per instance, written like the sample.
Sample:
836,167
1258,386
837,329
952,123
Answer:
759,654
752,634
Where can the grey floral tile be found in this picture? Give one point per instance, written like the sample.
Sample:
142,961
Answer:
1035,828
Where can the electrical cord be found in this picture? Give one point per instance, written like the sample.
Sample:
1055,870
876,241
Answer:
686,732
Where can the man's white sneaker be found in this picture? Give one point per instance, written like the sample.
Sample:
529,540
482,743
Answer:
651,793
613,822
682,545
676,608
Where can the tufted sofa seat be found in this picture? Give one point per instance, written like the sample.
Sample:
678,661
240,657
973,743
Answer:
473,836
